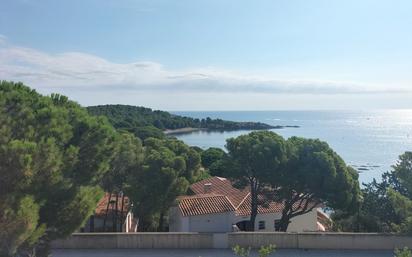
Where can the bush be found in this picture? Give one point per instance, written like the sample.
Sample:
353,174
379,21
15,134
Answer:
405,252
264,251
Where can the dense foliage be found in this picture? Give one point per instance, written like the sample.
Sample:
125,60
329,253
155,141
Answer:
313,176
145,122
53,155
405,252
169,168
128,156
301,173
254,158
386,205
211,155
56,160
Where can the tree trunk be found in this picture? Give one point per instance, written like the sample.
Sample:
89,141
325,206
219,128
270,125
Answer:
107,211
254,207
122,218
143,224
41,249
160,227
284,222
115,213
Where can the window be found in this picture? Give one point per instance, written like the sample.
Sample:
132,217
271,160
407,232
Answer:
261,224
276,224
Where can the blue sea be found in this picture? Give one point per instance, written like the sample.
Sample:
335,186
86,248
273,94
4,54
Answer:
370,141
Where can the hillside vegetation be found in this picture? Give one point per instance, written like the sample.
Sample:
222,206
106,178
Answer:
145,122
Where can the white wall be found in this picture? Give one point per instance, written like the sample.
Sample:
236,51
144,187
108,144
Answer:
178,223
222,222
304,223
219,222
269,219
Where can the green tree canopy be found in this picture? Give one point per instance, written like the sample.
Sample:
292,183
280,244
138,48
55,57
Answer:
53,156
215,161
212,155
375,213
403,208
314,174
301,173
402,172
169,168
145,122
128,159
253,159
401,196
386,204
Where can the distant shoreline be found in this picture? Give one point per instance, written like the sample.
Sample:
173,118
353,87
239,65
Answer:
190,130
181,130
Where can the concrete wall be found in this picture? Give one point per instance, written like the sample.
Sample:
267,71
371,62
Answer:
316,240
355,241
135,240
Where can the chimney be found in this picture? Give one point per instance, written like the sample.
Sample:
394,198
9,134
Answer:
207,188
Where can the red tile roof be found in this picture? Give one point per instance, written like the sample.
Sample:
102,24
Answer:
221,186
205,204
245,208
217,195
102,205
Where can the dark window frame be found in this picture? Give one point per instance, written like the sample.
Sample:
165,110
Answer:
262,225
276,224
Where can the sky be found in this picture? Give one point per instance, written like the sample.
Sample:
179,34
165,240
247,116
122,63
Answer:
213,54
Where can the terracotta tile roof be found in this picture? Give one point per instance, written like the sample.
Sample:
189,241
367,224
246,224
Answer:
221,186
102,205
271,207
205,204
217,195
245,208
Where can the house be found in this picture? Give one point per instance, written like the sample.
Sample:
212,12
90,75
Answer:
107,214
216,206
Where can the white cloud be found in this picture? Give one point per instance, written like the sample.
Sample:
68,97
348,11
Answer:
81,71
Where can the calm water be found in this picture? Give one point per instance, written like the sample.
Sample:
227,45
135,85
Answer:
370,141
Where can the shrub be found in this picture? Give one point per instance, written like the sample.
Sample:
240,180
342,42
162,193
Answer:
264,251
